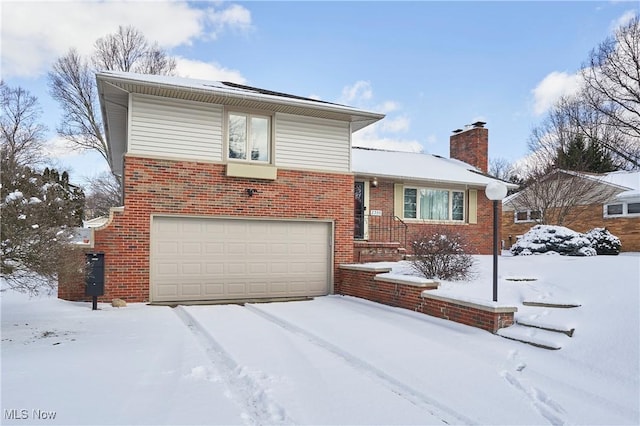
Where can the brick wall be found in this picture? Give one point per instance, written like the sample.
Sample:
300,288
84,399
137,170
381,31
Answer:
366,283
627,229
154,186
471,146
362,284
467,314
479,235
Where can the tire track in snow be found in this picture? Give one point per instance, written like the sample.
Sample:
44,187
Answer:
435,408
260,409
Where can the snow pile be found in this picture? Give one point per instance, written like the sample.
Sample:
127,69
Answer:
603,241
551,239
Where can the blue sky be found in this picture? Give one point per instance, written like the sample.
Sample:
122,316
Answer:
432,67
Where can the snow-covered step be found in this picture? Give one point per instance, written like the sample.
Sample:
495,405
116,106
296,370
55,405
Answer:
534,336
551,304
547,325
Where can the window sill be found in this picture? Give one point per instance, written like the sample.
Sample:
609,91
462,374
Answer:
252,171
435,222
622,216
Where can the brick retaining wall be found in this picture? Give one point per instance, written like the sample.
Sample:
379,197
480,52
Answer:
374,283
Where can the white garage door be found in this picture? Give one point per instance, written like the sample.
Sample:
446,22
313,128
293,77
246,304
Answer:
228,259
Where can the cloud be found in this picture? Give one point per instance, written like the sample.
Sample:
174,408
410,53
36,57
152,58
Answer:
58,147
34,34
207,71
383,134
356,94
388,106
623,20
234,17
552,88
396,125
370,138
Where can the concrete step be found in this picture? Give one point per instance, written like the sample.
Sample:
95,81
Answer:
541,338
546,325
563,305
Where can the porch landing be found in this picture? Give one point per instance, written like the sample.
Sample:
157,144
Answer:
372,251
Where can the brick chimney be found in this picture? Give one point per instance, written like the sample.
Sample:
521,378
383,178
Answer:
471,145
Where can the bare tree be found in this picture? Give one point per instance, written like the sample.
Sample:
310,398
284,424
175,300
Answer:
72,83
560,197
129,50
501,168
611,79
103,192
39,209
23,135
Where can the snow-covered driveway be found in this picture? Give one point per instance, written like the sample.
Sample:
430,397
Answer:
332,360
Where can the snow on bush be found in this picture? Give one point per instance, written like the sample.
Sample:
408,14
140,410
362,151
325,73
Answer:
553,239
603,241
442,254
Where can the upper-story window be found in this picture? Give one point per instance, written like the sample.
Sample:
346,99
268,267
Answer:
622,209
433,204
249,137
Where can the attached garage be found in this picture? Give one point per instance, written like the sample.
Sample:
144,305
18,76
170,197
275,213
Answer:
199,259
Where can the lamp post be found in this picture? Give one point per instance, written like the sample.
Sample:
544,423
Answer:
495,191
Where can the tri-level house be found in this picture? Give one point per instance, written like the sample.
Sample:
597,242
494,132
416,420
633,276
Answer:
236,193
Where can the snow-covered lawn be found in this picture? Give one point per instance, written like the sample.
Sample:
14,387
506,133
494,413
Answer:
333,360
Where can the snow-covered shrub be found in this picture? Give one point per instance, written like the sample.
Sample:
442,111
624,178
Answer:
603,241
442,254
550,238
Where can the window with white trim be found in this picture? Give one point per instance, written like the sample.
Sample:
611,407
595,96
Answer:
527,216
434,204
622,209
249,137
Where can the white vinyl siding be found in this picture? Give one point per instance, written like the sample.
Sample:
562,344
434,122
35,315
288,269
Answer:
312,143
175,128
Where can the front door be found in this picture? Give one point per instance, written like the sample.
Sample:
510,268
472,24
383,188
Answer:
358,210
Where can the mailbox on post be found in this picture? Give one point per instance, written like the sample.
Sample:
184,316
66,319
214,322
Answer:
94,277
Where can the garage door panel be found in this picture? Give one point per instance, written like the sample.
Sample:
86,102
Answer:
168,247
236,289
214,259
278,249
190,248
214,290
187,290
214,269
168,269
237,249
213,248
191,269
256,249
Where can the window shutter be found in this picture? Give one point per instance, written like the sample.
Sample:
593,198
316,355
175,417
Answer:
473,206
398,200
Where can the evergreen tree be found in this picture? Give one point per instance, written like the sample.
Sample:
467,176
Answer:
39,212
584,156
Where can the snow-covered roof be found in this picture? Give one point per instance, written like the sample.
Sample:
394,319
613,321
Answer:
627,179
411,166
627,182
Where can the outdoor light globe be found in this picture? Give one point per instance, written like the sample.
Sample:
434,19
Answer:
496,191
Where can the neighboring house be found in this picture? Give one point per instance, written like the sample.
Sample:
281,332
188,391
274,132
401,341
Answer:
237,193
616,207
